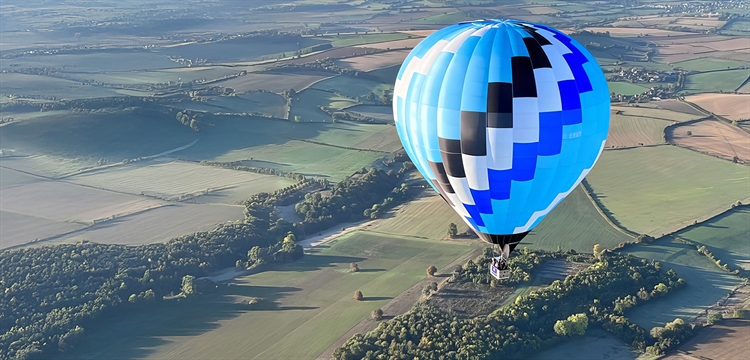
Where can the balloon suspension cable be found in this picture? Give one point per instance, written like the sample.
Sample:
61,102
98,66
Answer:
502,245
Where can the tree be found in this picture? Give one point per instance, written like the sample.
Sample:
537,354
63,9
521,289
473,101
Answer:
358,295
713,317
431,270
377,314
452,230
188,285
575,325
597,251
354,267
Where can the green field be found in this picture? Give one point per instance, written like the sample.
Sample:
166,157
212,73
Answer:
260,102
242,49
352,87
306,302
706,283
113,136
635,131
706,64
359,39
427,217
726,236
22,85
654,190
626,88
716,81
309,100
598,344
446,19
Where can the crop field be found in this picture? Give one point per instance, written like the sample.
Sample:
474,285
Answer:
156,225
241,49
351,87
713,137
730,106
176,180
22,85
174,74
626,131
259,102
305,105
706,283
10,177
626,88
78,65
398,44
725,340
715,81
632,32
308,301
678,106
445,19
383,112
574,224
375,61
664,114
116,136
359,39
275,82
19,229
726,236
707,64
541,10
427,217
700,23
45,166
653,189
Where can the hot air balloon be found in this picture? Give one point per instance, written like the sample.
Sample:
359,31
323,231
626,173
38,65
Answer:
503,118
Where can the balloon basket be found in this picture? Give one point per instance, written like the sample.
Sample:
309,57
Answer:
499,268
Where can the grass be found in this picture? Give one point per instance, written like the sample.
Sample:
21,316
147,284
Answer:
174,180
707,64
352,87
113,136
309,100
427,217
653,190
716,81
22,85
598,344
175,75
626,88
79,65
259,102
306,302
726,236
706,284
445,19
242,49
634,131
359,39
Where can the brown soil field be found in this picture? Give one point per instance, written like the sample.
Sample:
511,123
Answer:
714,137
632,32
730,45
276,82
375,61
689,38
541,10
730,106
678,106
657,113
701,21
626,131
468,300
398,44
726,340
745,89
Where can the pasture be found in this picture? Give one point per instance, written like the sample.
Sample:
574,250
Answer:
308,302
274,81
627,131
359,39
156,225
242,48
176,180
706,283
713,137
22,86
598,344
654,189
708,64
79,65
626,88
726,236
45,166
725,340
375,61
383,112
730,106
267,103
715,81
427,217
113,136
351,87
305,105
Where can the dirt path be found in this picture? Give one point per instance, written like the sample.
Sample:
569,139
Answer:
400,304
335,232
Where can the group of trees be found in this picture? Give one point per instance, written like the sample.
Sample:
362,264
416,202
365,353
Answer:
518,328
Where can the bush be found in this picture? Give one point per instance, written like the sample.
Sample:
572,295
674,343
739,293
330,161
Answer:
431,270
742,314
358,295
714,317
354,267
377,314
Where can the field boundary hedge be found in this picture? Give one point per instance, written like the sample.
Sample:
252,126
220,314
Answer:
599,208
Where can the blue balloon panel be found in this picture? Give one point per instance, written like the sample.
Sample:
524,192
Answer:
504,118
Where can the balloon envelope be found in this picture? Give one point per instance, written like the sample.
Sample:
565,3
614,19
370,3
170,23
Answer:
503,118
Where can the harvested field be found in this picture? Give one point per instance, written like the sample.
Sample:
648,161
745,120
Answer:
713,137
468,300
678,106
423,33
427,217
642,111
730,45
157,225
10,177
335,53
700,22
626,131
375,61
45,166
651,190
18,229
276,82
730,106
683,49
398,44
558,269
541,10
385,140
177,180
633,32
725,340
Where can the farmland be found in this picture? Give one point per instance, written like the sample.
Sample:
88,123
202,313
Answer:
375,61
626,131
657,113
706,64
275,81
730,106
650,190
305,302
351,87
715,81
725,340
713,137
726,237
626,88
